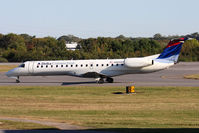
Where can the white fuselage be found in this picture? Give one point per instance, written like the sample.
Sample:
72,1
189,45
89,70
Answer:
85,68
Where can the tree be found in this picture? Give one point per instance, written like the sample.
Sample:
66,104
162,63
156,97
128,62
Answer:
190,51
69,38
24,47
158,36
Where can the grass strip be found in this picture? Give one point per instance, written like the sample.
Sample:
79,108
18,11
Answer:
101,108
194,76
13,125
5,68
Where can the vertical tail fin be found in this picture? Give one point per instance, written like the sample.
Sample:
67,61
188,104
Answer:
172,50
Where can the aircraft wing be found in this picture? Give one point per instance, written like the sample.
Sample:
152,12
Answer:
93,75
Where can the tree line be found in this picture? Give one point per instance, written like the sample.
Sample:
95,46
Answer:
23,47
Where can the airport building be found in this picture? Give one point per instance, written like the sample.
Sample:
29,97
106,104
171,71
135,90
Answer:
72,46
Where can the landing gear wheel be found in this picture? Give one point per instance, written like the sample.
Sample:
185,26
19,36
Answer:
100,80
17,80
109,80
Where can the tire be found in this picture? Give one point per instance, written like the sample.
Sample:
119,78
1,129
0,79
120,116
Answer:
101,81
109,80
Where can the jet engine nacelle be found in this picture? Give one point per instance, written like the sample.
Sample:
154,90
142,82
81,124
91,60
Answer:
137,62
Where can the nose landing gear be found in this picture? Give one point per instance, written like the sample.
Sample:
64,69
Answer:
17,80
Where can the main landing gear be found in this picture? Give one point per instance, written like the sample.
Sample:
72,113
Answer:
101,80
109,80
17,79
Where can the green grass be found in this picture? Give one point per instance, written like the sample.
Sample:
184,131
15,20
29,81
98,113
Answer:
12,125
98,107
194,76
5,68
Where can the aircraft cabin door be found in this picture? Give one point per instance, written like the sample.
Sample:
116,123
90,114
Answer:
31,67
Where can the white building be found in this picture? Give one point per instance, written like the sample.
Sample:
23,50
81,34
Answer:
71,46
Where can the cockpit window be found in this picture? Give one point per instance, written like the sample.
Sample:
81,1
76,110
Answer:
22,65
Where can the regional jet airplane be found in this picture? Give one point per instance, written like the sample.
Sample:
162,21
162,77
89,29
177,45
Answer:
101,68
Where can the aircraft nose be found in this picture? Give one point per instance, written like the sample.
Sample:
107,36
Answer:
11,73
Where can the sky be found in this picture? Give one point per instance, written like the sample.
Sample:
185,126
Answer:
94,18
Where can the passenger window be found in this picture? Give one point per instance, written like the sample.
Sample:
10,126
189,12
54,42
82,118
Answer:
56,65
37,66
81,65
102,64
61,65
66,65
122,64
71,65
116,64
106,64
91,65
22,65
111,64
51,65
86,65
46,66
97,65
41,66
